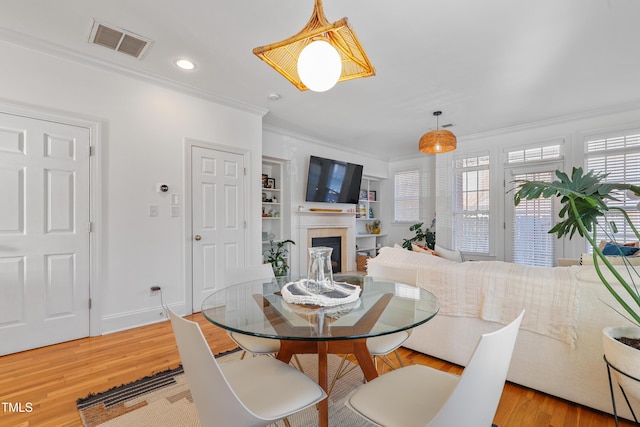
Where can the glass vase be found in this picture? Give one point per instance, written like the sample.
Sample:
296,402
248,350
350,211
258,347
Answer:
319,273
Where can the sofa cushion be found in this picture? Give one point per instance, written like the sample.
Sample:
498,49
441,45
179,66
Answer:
451,255
623,250
422,249
587,259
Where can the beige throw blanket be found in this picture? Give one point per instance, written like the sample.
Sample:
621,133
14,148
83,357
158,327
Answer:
498,291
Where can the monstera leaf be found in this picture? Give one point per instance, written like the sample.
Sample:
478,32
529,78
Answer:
584,208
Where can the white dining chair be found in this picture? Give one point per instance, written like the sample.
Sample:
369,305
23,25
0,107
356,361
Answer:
380,348
252,392
248,343
422,396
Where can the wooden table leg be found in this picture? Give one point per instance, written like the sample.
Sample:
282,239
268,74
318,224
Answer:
323,414
364,359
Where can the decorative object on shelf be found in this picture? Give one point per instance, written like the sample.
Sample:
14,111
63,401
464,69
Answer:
583,197
372,196
427,236
338,40
325,210
265,177
274,200
375,229
276,257
271,183
371,213
437,141
264,197
363,195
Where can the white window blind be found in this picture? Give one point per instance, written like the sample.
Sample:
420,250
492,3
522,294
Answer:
406,191
619,156
471,204
532,154
532,219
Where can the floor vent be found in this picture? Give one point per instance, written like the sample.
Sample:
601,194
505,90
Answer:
120,40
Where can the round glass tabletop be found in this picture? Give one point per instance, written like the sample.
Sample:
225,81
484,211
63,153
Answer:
257,308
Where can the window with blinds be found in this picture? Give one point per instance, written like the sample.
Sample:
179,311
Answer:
406,193
470,213
532,219
526,225
619,156
532,154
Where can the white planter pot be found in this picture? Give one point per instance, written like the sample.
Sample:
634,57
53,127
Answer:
623,357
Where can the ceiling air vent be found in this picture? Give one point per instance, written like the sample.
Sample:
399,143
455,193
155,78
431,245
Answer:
120,40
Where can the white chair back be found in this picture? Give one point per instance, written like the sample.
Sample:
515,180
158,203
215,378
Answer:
215,401
245,274
476,397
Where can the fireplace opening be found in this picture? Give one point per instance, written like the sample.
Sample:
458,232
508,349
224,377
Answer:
336,255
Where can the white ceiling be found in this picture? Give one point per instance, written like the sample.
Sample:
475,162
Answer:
488,65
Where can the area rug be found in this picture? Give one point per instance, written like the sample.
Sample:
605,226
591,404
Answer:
164,400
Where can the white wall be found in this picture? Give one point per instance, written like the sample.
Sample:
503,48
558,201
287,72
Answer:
296,149
144,127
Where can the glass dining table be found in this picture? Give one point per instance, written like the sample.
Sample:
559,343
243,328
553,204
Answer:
257,308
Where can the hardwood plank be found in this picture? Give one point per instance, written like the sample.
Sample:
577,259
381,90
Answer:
53,377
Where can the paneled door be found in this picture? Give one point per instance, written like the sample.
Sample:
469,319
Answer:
44,233
218,218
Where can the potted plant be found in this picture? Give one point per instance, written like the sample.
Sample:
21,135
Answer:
427,236
584,210
276,257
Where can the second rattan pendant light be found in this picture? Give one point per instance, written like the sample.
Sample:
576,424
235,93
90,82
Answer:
283,56
437,141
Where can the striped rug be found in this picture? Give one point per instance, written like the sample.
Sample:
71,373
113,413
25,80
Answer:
164,400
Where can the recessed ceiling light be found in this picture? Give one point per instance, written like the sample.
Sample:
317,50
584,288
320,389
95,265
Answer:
273,97
185,64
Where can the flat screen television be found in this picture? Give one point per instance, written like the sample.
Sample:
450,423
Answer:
332,181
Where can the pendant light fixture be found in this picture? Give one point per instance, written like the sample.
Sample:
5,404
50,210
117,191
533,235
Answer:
320,55
437,141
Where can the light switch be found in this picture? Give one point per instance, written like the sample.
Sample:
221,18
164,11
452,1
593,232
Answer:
175,199
153,210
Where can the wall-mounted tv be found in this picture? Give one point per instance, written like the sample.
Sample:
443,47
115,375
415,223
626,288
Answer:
332,181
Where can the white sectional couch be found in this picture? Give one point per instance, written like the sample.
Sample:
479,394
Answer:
559,348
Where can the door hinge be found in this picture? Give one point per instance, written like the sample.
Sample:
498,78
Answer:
90,227
90,150
245,224
245,171
89,303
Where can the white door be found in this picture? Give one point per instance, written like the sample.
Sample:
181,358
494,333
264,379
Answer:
218,218
527,240
44,233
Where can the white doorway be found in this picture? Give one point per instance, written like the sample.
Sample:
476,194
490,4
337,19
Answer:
44,232
218,222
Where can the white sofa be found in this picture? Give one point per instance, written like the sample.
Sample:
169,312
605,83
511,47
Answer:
558,352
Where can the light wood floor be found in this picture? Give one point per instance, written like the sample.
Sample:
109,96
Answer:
50,379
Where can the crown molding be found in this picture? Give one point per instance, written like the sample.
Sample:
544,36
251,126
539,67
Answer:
55,50
622,108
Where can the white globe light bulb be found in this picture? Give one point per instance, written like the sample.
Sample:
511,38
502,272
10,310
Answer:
319,66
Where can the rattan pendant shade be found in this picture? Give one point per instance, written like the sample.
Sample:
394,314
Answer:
437,141
283,56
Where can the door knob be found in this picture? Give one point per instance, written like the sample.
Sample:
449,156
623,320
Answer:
198,237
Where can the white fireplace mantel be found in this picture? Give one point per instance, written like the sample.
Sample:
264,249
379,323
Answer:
315,220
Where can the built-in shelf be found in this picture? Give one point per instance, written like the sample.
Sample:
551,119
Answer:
369,243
